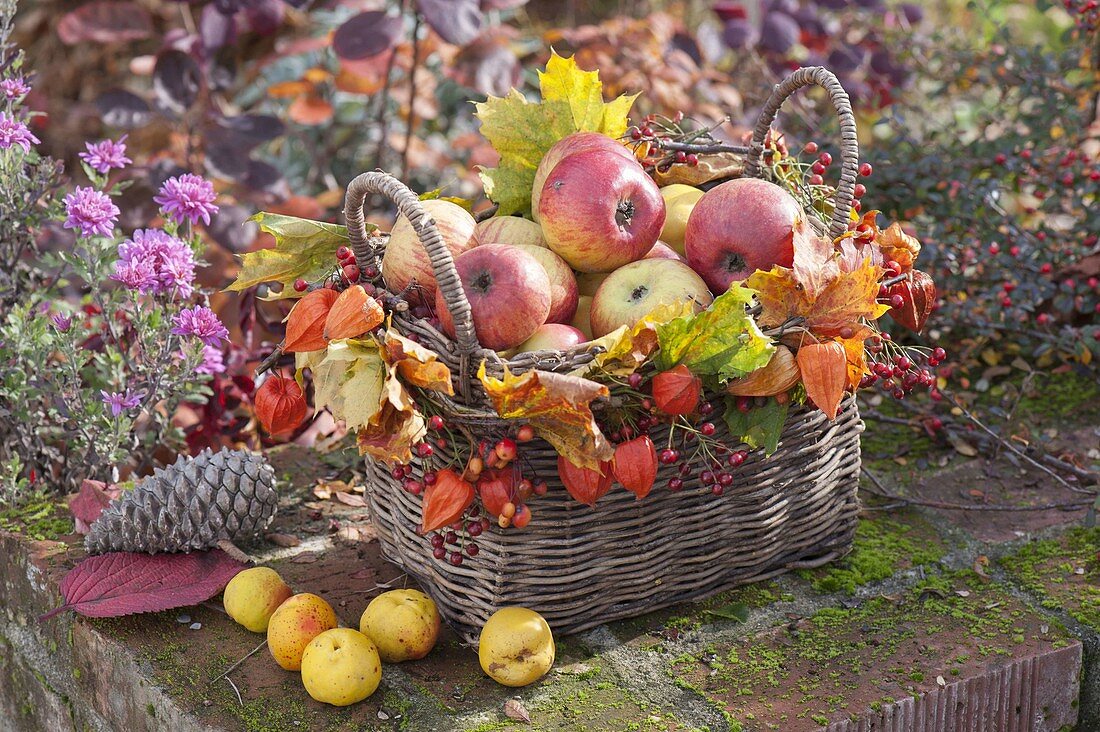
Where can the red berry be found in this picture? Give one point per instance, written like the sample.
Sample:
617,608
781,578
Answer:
903,363
526,433
424,450
1042,319
725,479
707,428
472,549
371,272
1014,251
675,484
1006,302
506,449
1000,159
429,478
414,487
736,458
717,489
436,540
825,158
436,422
817,168
815,180
668,456
896,301
865,169
939,354
860,190
692,159
1046,267
439,553
634,380
342,253
351,272
994,248
300,285
810,148
455,558
706,477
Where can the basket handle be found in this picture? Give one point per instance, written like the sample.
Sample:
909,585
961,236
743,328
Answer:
849,144
443,264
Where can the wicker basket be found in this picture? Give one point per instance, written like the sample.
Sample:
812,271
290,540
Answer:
579,566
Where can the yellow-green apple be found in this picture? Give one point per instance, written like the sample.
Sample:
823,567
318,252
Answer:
563,285
553,337
406,261
680,199
295,623
341,667
589,282
582,321
600,211
563,148
635,290
404,624
510,230
739,227
661,250
509,294
253,595
516,647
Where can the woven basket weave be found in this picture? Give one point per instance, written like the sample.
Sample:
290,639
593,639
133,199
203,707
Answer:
579,566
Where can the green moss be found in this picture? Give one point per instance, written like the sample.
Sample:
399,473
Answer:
1058,397
881,547
40,518
1048,570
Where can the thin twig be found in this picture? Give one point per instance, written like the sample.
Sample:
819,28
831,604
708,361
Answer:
269,362
703,148
239,699
239,662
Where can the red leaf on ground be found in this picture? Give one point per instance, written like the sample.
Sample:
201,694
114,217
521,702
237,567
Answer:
124,583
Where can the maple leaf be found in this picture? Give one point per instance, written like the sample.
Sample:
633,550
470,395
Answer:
521,131
124,583
303,248
558,408
416,364
625,349
815,264
855,353
722,341
844,302
349,381
397,425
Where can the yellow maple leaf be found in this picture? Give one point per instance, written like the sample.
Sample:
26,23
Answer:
558,408
625,349
521,131
397,425
416,364
349,381
842,303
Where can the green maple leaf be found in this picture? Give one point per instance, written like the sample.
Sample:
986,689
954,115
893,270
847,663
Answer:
722,341
522,131
303,248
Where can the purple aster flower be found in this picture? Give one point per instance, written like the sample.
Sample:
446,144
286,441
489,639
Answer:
14,88
187,197
213,361
13,132
106,154
61,322
202,323
155,261
91,211
119,402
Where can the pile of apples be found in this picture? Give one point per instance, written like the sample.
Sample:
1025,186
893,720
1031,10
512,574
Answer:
605,247
342,666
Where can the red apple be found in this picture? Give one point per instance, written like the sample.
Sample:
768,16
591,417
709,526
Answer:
406,261
565,147
635,290
661,250
563,285
739,227
553,337
509,294
510,230
600,211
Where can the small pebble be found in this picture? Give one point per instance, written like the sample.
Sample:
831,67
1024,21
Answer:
195,626
207,703
382,715
183,619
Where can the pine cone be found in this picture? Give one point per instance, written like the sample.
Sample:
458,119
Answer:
196,503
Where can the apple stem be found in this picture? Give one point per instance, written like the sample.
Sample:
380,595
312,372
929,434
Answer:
624,212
